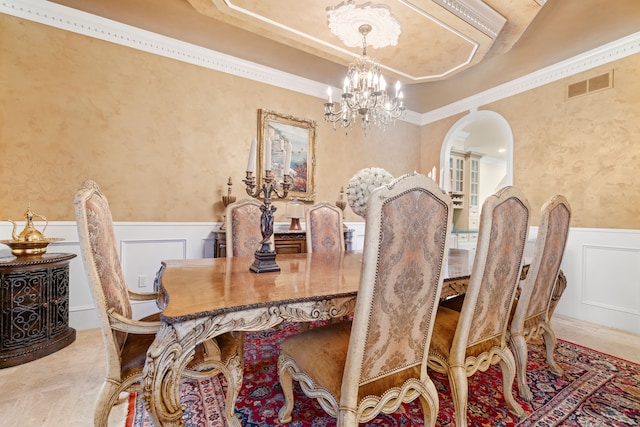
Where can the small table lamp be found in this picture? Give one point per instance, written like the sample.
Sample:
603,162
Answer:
295,211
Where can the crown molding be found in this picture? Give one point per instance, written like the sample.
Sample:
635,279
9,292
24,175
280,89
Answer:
90,25
605,54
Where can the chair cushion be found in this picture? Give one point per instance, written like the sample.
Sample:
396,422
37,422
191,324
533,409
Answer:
444,331
321,353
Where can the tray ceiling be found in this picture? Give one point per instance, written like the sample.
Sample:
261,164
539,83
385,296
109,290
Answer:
437,40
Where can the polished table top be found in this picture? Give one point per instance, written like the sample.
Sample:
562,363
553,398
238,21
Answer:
197,288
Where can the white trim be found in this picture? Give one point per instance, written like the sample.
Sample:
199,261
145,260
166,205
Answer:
76,21
605,54
617,307
453,132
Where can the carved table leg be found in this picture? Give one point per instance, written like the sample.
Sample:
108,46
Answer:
166,360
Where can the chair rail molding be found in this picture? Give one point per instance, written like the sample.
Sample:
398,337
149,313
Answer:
601,266
87,24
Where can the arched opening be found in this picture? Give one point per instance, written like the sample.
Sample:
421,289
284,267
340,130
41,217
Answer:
489,134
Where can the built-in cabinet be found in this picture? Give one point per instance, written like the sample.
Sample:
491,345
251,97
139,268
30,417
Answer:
464,170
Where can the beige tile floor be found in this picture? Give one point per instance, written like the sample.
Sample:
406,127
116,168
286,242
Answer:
60,389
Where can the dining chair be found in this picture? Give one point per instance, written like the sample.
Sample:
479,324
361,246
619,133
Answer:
475,337
358,369
242,221
127,340
540,291
325,231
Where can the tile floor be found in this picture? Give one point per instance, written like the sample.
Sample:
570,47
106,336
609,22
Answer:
60,389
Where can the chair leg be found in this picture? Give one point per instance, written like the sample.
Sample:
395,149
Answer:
459,394
508,366
519,346
286,382
549,338
430,405
106,399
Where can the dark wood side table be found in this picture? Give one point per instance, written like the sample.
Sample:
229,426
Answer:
286,242
34,298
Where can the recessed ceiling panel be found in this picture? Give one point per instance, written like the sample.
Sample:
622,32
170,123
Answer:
435,41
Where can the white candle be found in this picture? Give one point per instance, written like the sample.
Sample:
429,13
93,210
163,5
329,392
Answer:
267,154
329,94
251,164
287,159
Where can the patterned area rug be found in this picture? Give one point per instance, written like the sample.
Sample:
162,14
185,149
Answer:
596,390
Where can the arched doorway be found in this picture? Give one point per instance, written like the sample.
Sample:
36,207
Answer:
485,132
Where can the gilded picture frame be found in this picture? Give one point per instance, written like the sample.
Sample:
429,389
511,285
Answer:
277,130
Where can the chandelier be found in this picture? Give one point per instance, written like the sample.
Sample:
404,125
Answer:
364,95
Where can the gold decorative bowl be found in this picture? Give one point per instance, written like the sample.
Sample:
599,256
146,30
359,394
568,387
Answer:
38,247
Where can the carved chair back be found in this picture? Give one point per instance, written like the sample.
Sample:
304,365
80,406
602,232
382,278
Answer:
102,262
324,228
406,247
243,236
541,290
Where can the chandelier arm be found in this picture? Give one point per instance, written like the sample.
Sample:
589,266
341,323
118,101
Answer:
364,94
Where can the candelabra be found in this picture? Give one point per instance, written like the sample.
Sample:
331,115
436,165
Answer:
265,257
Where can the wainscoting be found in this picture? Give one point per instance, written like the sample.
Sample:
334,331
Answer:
602,267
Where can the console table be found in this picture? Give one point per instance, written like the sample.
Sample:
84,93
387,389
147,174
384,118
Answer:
285,241
34,299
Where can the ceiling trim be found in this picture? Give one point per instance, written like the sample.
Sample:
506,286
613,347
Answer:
477,14
605,54
76,21
469,11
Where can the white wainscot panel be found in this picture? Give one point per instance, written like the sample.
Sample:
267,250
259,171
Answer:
141,259
602,267
611,278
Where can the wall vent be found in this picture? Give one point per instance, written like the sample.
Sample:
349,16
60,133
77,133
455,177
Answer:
593,84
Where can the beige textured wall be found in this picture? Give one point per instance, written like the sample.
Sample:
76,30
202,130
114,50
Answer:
587,148
159,136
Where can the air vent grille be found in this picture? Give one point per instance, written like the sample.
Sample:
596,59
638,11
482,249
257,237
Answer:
590,85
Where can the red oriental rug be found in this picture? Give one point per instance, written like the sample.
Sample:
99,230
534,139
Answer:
596,390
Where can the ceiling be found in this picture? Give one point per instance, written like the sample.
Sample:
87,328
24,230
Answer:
442,54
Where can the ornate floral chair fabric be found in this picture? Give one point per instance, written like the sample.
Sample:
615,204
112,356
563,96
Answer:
243,236
541,290
126,340
472,339
324,228
373,364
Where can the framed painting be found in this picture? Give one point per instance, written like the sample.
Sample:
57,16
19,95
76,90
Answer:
282,139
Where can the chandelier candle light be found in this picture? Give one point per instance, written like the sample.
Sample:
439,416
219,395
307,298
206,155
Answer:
265,257
364,94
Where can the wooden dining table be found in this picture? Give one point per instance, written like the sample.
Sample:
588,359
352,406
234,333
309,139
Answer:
203,298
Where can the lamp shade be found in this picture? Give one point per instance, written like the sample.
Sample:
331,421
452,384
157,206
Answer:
295,209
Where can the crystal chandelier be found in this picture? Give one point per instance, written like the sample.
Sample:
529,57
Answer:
364,94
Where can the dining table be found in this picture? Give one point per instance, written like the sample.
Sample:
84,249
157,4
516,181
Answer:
203,298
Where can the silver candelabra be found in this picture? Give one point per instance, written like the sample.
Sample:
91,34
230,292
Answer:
265,257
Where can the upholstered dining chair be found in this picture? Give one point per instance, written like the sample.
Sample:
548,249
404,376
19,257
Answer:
471,339
242,221
126,340
325,231
540,291
372,364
